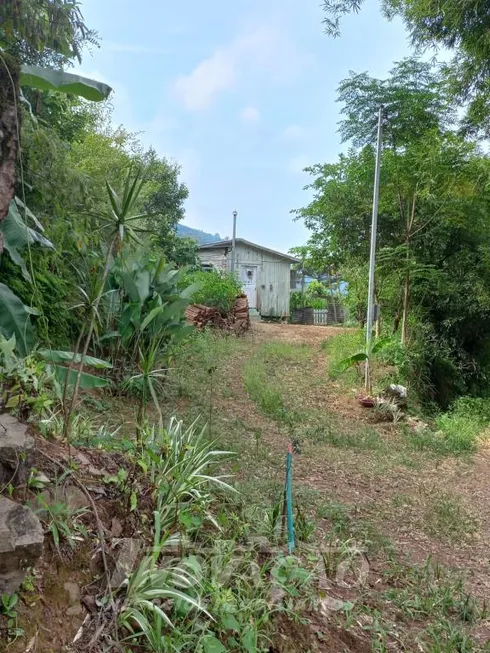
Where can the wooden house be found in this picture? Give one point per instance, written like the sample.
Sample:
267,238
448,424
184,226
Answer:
264,273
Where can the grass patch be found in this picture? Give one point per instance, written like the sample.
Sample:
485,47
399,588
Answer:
447,518
425,608
341,347
431,591
460,432
345,524
357,437
263,377
261,391
200,359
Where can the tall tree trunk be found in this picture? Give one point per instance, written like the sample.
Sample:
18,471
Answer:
406,306
406,291
9,129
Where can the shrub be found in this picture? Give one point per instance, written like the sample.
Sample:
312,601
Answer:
217,290
304,300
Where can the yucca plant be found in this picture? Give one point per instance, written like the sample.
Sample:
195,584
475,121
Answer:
185,472
153,588
120,222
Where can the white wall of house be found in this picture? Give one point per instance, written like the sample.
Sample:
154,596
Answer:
265,276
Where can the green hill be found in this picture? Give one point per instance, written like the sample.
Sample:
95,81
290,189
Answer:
196,234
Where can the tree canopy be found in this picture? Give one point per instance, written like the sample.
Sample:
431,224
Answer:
433,226
459,25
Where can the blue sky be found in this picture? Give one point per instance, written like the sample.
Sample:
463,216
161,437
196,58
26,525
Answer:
241,94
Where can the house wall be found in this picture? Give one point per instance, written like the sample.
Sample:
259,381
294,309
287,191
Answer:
215,256
273,279
273,275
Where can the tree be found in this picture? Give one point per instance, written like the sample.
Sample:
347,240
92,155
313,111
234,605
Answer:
43,32
461,26
164,201
424,158
432,207
40,31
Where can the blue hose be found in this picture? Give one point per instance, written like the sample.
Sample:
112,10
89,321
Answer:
289,499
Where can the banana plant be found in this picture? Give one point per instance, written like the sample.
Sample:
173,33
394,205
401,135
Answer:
152,320
17,234
47,79
362,356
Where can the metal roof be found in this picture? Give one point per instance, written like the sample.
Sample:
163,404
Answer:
228,243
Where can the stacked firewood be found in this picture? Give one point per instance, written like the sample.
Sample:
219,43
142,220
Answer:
201,316
241,314
237,320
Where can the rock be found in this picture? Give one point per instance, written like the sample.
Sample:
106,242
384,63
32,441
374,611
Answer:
21,543
72,495
75,611
73,592
398,393
116,527
94,471
41,478
88,602
128,553
417,425
16,451
82,459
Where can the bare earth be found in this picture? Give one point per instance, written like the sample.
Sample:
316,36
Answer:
393,495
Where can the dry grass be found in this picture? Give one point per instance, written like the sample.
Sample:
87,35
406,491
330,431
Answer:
363,481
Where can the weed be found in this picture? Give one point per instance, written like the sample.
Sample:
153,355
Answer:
362,438
460,432
446,518
291,576
304,526
339,349
432,591
62,522
262,377
7,610
267,397
142,614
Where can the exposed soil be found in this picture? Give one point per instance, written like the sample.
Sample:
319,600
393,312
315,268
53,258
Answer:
388,493
394,497
357,479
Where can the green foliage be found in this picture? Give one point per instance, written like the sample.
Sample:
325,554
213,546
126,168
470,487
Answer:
62,522
266,395
27,386
146,316
8,610
45,79
46,32
216,289
448,519
15,320
433,244
18,235
462,425
340,348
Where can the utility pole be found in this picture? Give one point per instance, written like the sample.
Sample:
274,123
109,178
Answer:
233,243
372,257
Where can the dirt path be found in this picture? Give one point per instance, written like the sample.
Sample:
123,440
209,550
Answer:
438,507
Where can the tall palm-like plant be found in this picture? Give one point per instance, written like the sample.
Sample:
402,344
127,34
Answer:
120,223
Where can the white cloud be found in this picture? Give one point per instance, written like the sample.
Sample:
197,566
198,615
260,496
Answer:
213,75
250,115
263,50
293,132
